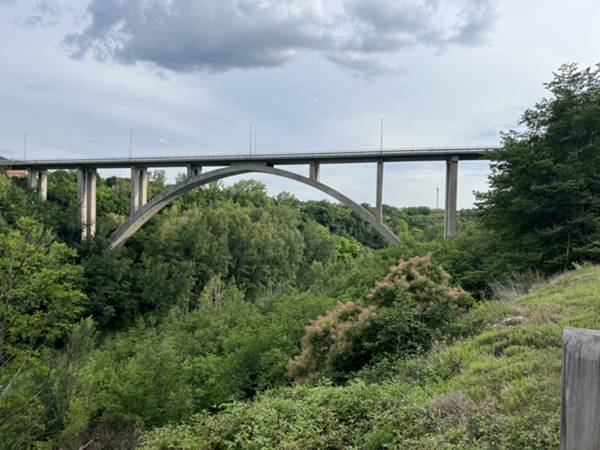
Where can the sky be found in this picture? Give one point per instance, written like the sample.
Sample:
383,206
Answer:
189,76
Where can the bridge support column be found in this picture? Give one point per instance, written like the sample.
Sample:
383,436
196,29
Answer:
314,172
37,180
451,196
42,185
32,177
379,195
139,188
193,170
86,192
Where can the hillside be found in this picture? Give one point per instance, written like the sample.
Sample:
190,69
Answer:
497,388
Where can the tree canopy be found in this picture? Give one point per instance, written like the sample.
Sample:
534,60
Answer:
543,206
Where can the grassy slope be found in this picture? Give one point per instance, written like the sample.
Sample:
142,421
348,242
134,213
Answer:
499,389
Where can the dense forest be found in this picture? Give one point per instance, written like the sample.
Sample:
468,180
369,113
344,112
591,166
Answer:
230,298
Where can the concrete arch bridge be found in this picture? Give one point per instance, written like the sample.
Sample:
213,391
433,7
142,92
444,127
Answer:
143,210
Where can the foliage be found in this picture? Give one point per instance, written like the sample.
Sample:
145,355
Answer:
40,294
14,201
332,340
499,388
40,302
413,305
543,207
226,349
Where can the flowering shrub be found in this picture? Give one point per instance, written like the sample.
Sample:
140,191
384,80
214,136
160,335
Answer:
406,311
328,337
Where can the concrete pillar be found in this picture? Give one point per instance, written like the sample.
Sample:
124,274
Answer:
32,179
580,408
139,188
135,190
82,198
379,195
37,180
86,193
42,185
451,196
91,202
314,172
193,170
143,186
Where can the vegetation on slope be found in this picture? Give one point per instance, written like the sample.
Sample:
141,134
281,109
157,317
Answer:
499,388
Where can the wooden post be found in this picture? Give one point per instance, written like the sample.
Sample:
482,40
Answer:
580,411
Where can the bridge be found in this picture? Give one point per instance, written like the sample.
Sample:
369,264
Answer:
225,166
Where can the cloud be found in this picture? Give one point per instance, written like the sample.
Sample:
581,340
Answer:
41,13
388,25
364,65
200,36
209,36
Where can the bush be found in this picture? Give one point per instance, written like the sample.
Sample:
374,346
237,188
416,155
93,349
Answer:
332,340
410,308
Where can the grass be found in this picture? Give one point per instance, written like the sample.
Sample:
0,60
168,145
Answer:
499,388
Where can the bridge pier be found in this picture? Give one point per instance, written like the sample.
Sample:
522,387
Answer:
193,170
42,185
37,180
139,188
32,176
451,196
379,195
86,193
314,171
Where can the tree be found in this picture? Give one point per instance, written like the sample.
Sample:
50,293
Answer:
40,296
40,302
543,206
15,201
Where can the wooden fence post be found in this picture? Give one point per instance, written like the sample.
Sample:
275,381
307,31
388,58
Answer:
580,411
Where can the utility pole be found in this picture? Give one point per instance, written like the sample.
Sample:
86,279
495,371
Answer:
250,135
437,198
381,138
130,144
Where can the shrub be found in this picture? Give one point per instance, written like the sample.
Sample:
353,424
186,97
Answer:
334,336
406,311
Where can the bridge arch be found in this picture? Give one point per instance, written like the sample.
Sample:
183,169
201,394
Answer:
145,213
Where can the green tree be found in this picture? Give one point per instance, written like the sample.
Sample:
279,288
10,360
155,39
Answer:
40,303
15,202
543,206
40,296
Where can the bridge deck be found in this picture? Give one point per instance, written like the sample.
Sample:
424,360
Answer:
338,157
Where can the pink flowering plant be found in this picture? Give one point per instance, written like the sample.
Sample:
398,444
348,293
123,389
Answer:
414,305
